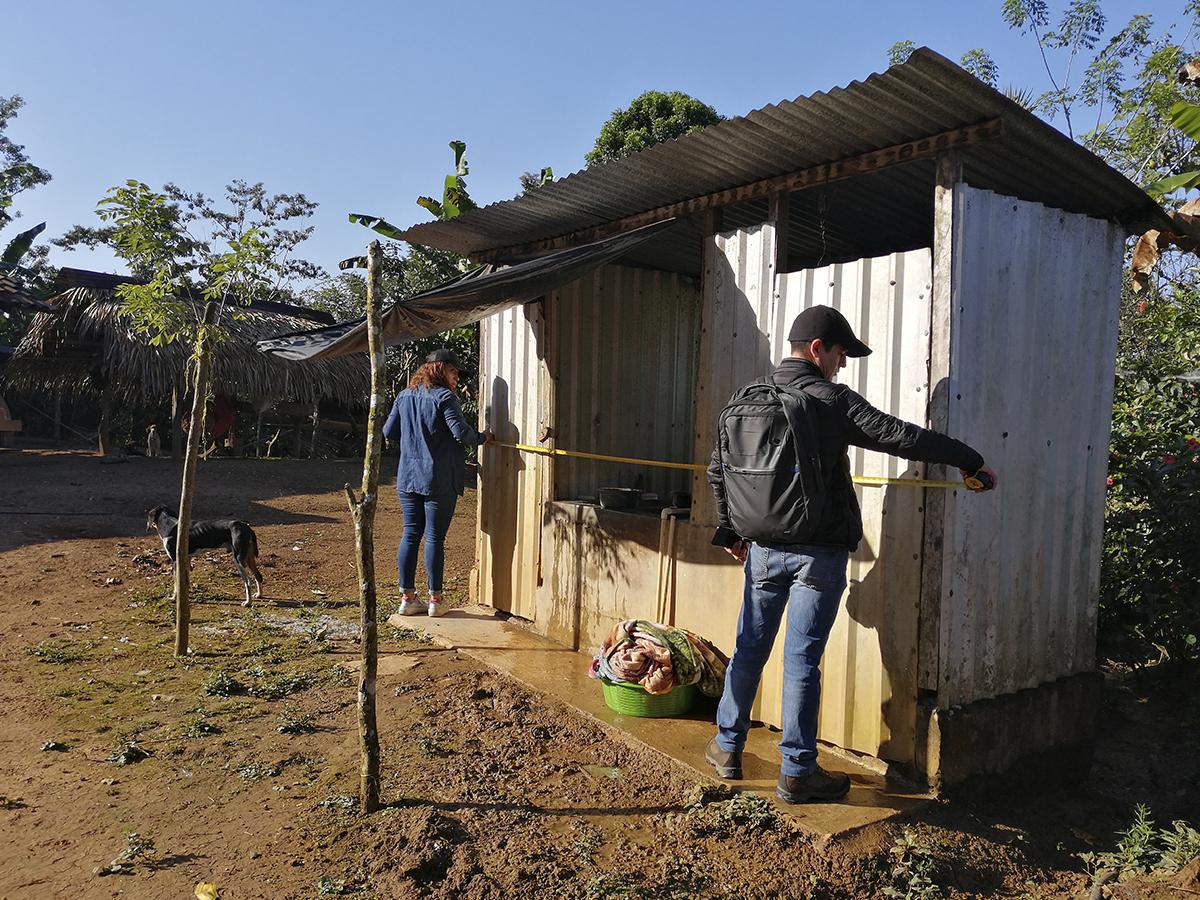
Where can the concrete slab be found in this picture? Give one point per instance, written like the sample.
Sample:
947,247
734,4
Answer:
562,673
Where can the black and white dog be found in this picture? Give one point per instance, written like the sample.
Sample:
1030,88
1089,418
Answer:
236,537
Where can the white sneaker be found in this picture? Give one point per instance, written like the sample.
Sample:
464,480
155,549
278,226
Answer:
436,608
412,607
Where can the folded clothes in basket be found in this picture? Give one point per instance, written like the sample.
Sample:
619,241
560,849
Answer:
659,658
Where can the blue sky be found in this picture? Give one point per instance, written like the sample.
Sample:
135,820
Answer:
353,103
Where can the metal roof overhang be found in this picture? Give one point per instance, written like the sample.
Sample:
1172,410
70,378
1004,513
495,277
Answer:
866,209
479,293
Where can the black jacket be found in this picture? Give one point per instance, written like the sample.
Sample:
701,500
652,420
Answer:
846,418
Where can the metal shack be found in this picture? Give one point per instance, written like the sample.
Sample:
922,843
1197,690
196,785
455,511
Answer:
976,249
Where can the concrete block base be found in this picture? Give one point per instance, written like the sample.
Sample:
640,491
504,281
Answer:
1037,737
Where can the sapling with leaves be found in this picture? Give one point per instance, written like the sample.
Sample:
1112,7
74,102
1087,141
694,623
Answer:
196,263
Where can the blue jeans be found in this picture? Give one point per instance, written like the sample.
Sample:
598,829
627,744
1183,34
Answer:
431,516
808,582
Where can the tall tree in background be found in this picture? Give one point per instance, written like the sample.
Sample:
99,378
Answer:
194,259
652,117
19,258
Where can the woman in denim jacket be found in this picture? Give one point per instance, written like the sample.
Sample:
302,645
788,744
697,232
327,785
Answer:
428,423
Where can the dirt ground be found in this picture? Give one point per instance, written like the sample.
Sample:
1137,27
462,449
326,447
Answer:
238,766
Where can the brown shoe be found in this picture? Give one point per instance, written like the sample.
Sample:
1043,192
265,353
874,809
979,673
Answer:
816,785
728,764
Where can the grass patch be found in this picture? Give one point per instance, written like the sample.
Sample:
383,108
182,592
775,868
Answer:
56,653
276,687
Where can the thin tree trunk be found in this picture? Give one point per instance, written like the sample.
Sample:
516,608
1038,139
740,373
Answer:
103,433
192,451
363,510
316,415
176,429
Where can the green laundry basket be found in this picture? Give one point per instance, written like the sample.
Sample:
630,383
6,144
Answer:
632,700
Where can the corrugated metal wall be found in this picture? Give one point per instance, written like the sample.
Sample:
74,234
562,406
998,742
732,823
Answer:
624,344
869,673
514,397
1033,327
870,668
739,306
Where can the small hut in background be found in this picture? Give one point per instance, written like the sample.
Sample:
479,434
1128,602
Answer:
85,345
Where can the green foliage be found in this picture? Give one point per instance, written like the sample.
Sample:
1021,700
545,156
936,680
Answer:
531,182
17,173
184,249
19,246
29,264
1150,576
455,199
978,61
912,868
221,684
1143,847
404,275
652,117
1083,78
899,52
1186,118
276,687
127,753
981,65
294,720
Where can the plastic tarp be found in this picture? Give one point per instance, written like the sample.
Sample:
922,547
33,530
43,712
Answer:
479,293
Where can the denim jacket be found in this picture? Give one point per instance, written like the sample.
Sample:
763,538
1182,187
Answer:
430,426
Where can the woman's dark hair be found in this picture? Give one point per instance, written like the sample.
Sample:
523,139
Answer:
432,374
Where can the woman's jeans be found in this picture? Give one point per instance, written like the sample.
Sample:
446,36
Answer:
808,582
431,516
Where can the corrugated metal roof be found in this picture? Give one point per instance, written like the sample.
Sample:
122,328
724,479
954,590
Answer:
925,96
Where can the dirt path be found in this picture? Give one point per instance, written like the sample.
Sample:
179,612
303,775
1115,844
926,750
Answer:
492,790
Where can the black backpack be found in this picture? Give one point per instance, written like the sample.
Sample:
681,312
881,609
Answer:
770,460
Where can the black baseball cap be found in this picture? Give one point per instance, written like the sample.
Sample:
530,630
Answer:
443,355
828,325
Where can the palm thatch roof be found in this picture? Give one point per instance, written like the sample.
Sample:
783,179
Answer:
14,296
86,341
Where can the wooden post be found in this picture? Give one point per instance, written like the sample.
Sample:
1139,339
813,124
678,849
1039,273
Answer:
102,435
948,174
188,489
58,416
363,510
316,418
779,204
258,437
176,428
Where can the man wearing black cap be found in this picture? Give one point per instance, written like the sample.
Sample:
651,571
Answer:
807,580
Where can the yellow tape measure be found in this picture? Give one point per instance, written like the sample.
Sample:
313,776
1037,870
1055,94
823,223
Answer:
866,480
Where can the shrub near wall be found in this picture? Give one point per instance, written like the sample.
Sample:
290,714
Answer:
1150,582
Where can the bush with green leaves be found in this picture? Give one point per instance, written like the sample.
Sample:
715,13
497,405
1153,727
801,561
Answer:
221,684
1150,582
1143,847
